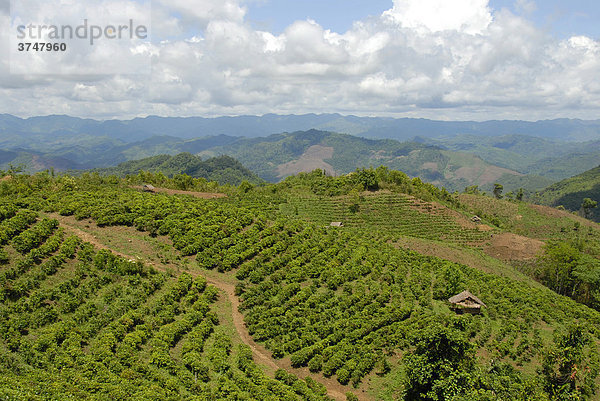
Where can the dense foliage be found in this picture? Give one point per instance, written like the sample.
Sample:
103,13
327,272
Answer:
222,169
566,269
81,324
339,302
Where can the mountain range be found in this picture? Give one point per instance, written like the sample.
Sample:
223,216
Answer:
531,155
137,129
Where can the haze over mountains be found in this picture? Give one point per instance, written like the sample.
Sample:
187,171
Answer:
252,126
525,154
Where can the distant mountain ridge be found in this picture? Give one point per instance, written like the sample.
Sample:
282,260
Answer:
278,156
252,126
530,161
550,158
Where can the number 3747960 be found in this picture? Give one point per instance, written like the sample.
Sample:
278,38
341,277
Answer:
41,47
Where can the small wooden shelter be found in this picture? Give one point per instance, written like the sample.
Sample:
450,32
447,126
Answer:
465,302
336,224
148,188
476,219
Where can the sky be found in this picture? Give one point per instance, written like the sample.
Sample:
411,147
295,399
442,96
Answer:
439,59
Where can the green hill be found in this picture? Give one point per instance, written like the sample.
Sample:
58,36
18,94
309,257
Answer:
571,192
552,159
278,156
222,169
534,154
107,291
449,164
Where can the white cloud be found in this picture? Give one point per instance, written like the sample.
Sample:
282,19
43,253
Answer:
80,27
469,16
201,12
462,61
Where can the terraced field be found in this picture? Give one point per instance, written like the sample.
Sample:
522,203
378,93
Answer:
82,323
390,213
342,305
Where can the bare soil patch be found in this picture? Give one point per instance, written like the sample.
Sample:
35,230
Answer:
201,195
509,246
313,158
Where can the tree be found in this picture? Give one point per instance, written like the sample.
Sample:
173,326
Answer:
351,397
368,179
557,264
587,205
245,187
498,188
473,190
183,181
441,365
14,170
520,194
193,361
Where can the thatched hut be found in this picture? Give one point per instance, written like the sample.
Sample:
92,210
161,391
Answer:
465,302
148,188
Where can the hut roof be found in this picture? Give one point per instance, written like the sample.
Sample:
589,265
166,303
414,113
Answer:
148,186
465,298
337,224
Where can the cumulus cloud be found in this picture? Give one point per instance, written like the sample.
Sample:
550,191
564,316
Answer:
470,16
82,27
428,58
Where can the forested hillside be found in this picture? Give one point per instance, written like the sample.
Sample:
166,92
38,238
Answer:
222,169
571,193
453,154
278,156
551,158
111,291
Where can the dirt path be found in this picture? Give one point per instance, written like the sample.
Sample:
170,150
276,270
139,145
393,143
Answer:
261,355
201,195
